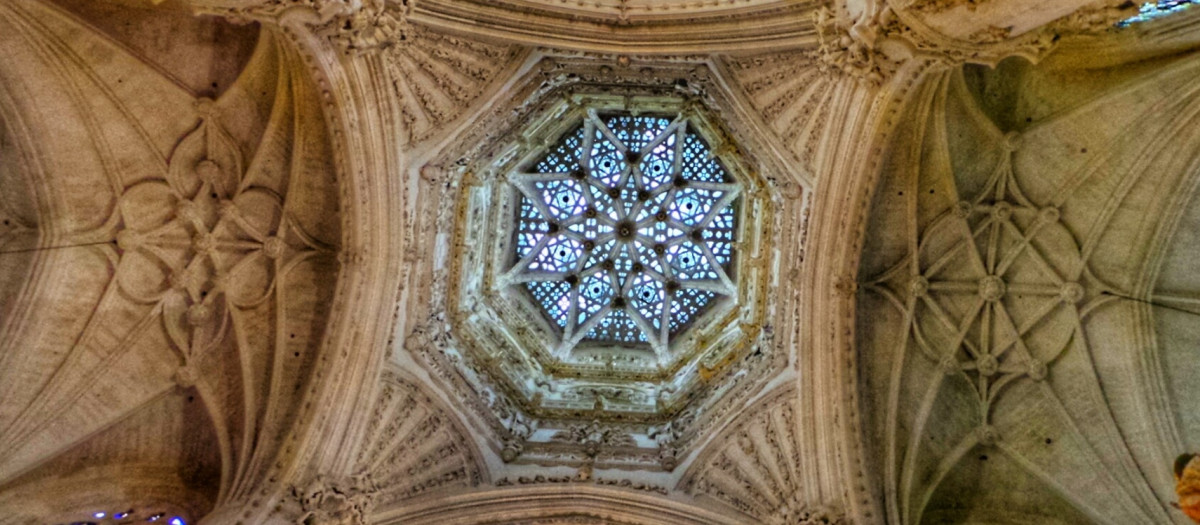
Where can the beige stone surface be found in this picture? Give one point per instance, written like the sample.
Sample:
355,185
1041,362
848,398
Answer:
244,248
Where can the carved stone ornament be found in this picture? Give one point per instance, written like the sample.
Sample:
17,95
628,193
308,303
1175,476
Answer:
415,445
329,502
754,467
873,45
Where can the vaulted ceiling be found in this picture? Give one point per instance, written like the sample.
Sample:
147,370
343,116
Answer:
228,228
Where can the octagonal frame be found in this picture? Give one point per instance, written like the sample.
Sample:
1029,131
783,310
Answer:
551,126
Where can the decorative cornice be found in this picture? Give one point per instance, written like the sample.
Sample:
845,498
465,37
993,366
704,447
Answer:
627,26
536,500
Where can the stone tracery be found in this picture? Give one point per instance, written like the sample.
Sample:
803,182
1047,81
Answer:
626,230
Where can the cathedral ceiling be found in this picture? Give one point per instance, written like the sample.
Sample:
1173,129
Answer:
1020,313
225,244
176,251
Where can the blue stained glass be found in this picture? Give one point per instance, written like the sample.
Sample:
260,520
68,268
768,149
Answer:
590,228
564,198
688,262
1158,9
636,132
558,255
648,296
601,254
692,205
555,296
531,227
564,157
697,165
607,162
617,326
595,292
617,249
650,261
605,204
659,164
687,303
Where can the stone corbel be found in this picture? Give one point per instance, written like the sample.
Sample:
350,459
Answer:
310,12
520,428
667,436
355,26
850,46
886,34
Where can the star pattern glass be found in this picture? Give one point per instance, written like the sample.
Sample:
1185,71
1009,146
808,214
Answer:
1158,9
625,230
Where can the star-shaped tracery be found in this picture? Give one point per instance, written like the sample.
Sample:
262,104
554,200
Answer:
625,230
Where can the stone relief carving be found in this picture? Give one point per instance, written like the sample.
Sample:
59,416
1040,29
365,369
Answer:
380,24
849,48
584,475
875,44
591,437
435,76
332,502
754,467
413,445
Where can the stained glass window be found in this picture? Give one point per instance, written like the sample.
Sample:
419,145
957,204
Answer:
1158,9
625,229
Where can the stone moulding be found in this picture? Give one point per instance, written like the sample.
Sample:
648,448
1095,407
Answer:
554,501
628,26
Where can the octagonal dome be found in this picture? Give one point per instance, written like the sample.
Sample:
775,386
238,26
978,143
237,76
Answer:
609,257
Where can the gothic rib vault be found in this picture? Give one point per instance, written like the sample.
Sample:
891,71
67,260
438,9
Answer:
257,262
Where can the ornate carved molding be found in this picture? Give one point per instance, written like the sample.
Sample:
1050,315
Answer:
553,500
875,44
627,26
755,466
414,445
